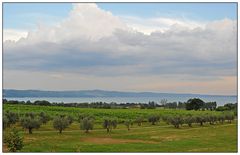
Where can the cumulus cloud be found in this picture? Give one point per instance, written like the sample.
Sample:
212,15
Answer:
92,41
13,35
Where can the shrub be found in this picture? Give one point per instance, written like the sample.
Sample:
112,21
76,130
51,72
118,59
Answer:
14,141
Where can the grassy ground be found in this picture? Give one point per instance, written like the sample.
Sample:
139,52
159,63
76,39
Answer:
147,138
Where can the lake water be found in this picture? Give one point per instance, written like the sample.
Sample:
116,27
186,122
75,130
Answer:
221,100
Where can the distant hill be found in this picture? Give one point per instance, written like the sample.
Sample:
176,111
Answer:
90,93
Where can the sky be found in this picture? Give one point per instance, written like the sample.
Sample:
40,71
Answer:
157,47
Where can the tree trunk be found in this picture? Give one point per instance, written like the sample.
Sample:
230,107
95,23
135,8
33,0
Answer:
107,130
60,131
30,130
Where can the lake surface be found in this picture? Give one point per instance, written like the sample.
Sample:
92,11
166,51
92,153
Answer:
221,100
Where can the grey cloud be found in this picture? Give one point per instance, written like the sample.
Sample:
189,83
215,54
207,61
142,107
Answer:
119,50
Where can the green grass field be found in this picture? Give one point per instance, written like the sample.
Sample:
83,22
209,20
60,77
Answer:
146,138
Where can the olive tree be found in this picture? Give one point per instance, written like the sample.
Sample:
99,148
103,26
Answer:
6,122
211,119
153,119
221,118
176,121
109,124
229,117
13,140
44,118
200,119
139,120
70,119
87,124
189,120
11,117
128,124
60,123
30,122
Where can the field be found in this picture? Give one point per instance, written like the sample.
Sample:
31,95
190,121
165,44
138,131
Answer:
146,138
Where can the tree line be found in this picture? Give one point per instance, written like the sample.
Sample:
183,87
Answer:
191,104
30,121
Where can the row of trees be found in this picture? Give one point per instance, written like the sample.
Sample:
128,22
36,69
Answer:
32,121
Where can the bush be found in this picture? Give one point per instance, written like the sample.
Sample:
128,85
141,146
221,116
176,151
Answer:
222,108
60,123
14,141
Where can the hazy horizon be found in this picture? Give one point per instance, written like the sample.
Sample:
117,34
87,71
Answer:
131,47
118,91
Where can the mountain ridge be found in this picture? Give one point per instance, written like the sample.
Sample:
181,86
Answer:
92,93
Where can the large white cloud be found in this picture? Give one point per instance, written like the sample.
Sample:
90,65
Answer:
92,41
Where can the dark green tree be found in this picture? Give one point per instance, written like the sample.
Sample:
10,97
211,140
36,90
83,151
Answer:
194,104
